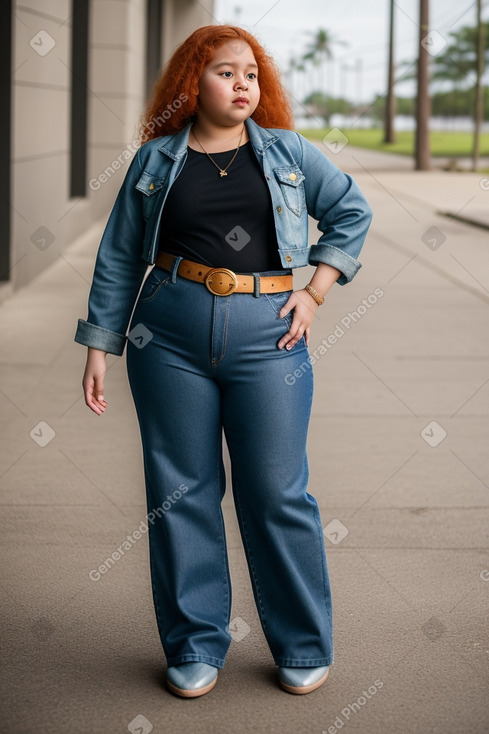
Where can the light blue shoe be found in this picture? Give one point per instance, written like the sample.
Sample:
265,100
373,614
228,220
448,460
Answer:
302,680
191,679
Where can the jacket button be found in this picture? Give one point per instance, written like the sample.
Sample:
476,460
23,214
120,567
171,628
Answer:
288,258
279,209
151,186
292,176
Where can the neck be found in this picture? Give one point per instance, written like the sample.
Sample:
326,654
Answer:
215,137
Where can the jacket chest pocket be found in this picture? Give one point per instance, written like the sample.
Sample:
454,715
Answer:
290,180
151,186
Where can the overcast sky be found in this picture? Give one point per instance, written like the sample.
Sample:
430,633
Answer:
282,27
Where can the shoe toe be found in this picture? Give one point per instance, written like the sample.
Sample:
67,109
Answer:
191,679
302,680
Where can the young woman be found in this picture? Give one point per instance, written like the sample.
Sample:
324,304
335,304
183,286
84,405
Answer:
218,198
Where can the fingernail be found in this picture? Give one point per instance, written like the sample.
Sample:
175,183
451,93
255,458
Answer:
289,346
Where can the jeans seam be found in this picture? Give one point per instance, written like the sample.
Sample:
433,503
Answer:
228,590
322,552
261,609
320,527
154,587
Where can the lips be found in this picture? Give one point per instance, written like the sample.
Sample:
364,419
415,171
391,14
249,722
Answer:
241,100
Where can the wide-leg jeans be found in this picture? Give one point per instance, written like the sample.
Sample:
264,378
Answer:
199,365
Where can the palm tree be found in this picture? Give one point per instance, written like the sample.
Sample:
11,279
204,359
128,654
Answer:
292,68
464,55
423,101
479,102
319,51
459,58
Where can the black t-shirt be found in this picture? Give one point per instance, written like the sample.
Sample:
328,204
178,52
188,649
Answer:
221,221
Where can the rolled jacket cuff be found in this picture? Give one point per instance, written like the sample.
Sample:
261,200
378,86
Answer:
331,255
98,337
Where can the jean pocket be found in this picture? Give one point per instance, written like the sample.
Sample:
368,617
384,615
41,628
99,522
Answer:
278,301
153,284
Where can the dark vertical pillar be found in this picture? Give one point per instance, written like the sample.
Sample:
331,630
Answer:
79,98
154,10
5,135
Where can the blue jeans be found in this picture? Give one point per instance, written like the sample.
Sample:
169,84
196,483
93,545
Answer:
200,364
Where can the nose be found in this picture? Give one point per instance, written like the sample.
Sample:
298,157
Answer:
241,83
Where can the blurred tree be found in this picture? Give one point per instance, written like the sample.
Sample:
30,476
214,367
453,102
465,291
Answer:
296,81
462,65
444,104
457,64
456,103
479,102
324,106
404,106
455,67
319,51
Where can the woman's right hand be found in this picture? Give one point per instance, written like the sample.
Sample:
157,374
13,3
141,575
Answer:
93,380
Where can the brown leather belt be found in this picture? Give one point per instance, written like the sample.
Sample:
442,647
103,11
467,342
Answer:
223,282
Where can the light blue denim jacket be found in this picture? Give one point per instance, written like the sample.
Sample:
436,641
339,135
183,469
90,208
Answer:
302,182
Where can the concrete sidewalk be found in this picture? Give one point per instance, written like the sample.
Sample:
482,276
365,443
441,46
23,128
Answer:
398,462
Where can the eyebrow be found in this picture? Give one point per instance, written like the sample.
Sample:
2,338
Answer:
232,63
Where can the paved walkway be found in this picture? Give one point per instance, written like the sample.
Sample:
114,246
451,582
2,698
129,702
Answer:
398,458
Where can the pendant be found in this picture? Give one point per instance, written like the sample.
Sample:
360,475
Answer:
222,173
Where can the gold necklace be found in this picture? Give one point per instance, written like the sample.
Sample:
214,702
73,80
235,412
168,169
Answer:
222,171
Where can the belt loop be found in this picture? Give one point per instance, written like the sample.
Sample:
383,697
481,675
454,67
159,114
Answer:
256,292
174,268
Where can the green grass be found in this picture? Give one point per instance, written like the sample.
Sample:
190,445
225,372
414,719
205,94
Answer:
442,143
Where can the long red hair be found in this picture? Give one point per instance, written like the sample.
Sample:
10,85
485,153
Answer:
173,102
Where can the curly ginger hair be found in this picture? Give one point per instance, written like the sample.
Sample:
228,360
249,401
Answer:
174,101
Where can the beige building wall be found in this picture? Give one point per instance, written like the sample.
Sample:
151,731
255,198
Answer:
180,19
45,219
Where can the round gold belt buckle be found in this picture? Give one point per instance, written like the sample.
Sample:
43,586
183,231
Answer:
221,281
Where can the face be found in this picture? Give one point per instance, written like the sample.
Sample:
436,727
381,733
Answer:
228,88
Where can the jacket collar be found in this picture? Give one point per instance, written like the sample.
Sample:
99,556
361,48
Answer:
175,145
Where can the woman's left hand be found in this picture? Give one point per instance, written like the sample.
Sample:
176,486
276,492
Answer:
305,308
